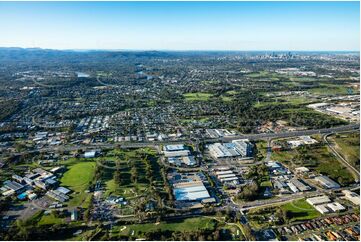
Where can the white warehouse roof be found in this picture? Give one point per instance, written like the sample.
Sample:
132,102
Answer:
318,200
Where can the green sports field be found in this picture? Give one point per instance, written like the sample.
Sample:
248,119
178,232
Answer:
77,178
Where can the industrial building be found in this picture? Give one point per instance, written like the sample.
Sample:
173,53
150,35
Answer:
300,185
190,191
351,196
326,182
175,150
318,200
226,175
188,187
178,155
336,207
242,148
178,161
323,209
324,205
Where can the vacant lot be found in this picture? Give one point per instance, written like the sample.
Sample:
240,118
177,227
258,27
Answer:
348,145
297,210
300,210
316,157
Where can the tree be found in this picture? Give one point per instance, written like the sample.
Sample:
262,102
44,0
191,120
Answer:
134,174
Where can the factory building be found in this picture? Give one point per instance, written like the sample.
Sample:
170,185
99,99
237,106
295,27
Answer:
189,187
326,182
318,200
351,196
242,148
175,150
190,191
322,208
225,175
300,185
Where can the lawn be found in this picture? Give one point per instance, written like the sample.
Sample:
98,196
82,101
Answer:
226,98
78,178
331,89
300,210
292,100
189,224
348,145
262,74
197,96
50,219
296,100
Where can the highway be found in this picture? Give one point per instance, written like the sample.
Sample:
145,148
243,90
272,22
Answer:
72,147
293,133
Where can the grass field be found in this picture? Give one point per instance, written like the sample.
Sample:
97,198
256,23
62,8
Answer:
315,157
78,178
197,96
329,89
348,145
189,224
226,98
297,210
264,74
300,210
50,219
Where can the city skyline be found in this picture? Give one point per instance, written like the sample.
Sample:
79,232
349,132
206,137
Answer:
229,26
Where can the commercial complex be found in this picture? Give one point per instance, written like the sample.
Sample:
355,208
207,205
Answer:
242,147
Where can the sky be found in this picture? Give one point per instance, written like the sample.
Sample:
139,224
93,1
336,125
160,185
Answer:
308,26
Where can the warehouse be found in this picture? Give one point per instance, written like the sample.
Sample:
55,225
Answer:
226,176
217,150
292,187
224,172
351,196
174,147
190,192
188,186
300,185
327,182
322,209
318,200
241,147
336,207
175,150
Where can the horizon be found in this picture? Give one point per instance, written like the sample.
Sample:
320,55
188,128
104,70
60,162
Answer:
181,26
168,50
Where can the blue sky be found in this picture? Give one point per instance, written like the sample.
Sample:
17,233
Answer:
181,25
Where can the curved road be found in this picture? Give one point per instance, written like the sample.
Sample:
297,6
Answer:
353,170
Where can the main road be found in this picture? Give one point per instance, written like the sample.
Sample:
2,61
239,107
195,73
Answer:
71,147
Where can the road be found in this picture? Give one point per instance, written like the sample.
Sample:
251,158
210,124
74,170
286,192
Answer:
287,198
294,133
72,147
